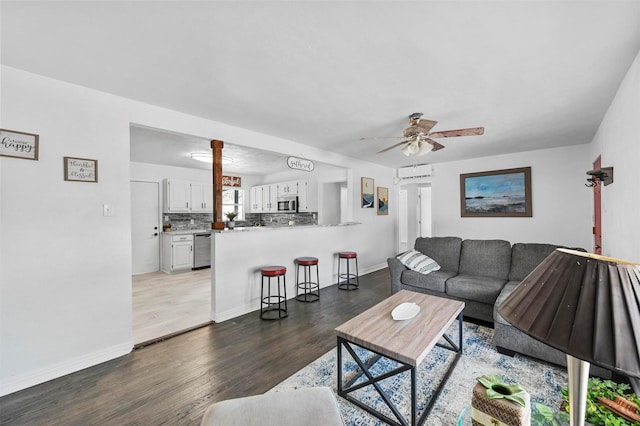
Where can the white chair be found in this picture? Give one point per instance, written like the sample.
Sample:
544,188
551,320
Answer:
310,406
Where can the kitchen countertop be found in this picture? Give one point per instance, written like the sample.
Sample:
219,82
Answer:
188,231
255,228
275,228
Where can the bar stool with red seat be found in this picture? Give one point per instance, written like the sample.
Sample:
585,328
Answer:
272,303
310,290
352,282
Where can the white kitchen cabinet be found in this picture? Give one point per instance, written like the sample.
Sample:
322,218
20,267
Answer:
183,196
255,196
177,252
270,198
287,188
177,196
201,197
307,196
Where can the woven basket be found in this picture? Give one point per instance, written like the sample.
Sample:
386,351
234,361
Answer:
498,412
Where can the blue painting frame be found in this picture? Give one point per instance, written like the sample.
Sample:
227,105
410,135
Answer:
496,193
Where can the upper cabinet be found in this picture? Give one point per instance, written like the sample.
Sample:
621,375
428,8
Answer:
269,198
182,196
264,198
177,196
201,197
256,199
307,196
288,188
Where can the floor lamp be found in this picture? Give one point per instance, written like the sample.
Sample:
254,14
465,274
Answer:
587,306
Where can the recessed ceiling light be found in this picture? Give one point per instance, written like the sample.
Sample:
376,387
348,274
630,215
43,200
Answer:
208,158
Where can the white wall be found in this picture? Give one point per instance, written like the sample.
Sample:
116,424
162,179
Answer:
65,270
560,200
618,142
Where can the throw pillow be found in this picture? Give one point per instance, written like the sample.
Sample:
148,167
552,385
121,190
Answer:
418,262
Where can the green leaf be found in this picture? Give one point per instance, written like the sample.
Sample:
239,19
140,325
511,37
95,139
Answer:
517,399
494,395
484,381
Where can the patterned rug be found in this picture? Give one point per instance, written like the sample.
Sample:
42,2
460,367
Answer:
543,381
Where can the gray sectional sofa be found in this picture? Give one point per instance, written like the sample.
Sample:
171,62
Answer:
481,273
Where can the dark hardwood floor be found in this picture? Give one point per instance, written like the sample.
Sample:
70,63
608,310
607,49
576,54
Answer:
172,382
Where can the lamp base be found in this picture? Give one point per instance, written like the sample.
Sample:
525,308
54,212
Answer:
578,381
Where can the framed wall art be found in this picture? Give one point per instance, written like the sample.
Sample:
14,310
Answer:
366,192
80,169
383,200
497,193
18,144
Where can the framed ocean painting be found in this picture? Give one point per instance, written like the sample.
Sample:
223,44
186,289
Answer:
497,193
383,200
366,193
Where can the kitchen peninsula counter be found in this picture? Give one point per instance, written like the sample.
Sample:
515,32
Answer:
281,227
239,254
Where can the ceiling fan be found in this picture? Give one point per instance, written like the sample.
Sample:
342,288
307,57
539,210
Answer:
419,138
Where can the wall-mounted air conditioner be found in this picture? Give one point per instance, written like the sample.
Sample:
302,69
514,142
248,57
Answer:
417,171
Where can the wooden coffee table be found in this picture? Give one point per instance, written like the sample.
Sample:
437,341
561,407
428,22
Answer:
407,342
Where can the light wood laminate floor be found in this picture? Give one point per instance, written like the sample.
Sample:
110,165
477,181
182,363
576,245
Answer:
164,304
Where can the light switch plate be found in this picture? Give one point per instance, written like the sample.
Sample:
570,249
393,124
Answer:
107,210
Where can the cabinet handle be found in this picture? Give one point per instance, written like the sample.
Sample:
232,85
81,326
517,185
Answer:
187,204
155,234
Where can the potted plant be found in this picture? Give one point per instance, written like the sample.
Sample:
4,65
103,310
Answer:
230,217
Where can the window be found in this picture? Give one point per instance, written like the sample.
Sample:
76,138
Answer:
233,201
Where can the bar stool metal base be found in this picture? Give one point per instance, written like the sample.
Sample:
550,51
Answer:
273,307
351,281
307,291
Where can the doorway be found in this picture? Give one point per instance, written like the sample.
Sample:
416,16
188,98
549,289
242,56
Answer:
424,203
162,304
145,240
414,214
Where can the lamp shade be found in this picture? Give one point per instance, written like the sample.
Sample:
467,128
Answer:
586,305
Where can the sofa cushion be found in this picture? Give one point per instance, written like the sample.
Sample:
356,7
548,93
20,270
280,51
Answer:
444,250
475,287
506,291
434,281
488,258
418,262
526,256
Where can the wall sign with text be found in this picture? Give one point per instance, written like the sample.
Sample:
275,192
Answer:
234,181
80,169
300,164
18,144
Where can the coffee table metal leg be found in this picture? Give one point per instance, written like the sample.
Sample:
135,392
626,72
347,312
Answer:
365,366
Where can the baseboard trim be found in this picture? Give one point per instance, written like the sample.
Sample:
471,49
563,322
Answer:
41,375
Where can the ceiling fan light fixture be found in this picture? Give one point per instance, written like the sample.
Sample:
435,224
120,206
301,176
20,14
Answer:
206,157
425,148
411,148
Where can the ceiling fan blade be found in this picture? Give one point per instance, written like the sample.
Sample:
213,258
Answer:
392,146
425,125
382,137
460,132
436,145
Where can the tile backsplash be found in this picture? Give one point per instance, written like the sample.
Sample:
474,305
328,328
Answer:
182,221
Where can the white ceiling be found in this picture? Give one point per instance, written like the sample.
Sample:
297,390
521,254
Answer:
158,146
535,74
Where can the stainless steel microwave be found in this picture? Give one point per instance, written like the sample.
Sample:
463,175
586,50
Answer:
288,204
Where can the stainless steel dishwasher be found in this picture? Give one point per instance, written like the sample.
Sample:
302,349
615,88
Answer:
202,251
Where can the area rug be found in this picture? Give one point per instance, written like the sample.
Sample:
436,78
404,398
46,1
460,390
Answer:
542,380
